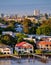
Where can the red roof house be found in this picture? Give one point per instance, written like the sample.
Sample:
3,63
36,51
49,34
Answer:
24,46
45,45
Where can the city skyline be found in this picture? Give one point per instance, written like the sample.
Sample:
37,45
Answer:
24,7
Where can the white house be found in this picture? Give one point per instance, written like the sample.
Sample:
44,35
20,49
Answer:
8,32
3,26
24,47
5,49
30,39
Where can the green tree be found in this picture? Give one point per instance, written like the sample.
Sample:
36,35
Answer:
26,25
38,51
33,30
45,30
21,35
9,40
10,29
3,21
20,39
45,27
39,31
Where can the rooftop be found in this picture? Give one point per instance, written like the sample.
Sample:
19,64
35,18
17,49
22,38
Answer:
44,43
24,45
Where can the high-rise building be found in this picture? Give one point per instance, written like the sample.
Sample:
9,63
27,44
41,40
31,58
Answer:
2,15
36,12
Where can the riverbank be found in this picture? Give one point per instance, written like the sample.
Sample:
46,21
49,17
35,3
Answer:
28,57
5,55
23,55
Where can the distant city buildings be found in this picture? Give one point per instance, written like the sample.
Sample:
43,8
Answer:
35,17
36,12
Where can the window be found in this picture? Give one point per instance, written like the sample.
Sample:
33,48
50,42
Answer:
7,50
30,51
8,53
25,48
50,45
19,52
41,48
4,52
47,45
19,48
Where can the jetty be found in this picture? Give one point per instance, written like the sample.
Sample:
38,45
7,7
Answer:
5,56
10,55
16,56
43,58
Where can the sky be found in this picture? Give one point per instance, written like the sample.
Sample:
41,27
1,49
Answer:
24,7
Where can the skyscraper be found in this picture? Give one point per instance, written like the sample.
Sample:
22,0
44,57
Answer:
36,12
2,15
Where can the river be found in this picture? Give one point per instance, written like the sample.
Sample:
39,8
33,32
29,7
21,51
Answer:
9,61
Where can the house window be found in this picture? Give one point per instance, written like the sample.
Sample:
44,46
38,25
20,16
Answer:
30,51
50,45
25,48
19,52
41,48
7,50
19,48
47,45
8,53
4,52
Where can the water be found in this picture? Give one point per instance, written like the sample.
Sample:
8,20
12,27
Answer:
23,62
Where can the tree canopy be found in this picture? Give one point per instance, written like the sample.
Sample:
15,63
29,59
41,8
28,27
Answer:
45,28
26,25
8,40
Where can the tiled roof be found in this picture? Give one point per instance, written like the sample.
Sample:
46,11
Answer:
44,43
4,46
24,45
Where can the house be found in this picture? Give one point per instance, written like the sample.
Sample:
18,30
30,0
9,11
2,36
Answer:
3,25
6,49
8,32
24,47
30,39
49,39
44,45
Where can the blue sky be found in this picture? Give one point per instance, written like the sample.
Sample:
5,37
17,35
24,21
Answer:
24,6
